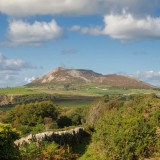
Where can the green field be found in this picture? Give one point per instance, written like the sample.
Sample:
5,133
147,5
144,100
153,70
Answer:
18,91
96,91
78,96
76,90
61,101
79,102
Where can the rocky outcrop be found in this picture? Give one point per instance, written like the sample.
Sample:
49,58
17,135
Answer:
72,136
6,99
26,139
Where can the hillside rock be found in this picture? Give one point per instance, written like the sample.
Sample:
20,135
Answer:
6,99
60,75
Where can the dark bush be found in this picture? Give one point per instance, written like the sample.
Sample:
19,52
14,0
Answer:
64,121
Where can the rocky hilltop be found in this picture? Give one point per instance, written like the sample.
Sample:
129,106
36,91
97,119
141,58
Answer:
81,76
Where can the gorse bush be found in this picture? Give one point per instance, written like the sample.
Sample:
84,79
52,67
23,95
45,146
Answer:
32,114
8,150
100,106
41,116
32,117
125,137
64,121
127,132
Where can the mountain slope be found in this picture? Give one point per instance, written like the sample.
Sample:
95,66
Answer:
63,76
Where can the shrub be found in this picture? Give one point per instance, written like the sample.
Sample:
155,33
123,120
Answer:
125,137
99,108
32,114
64,121
8,150
126,131
46,150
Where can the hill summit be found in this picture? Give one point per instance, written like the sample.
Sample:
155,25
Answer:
62,75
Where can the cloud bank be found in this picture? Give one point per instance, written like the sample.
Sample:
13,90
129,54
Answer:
123,20
75,7
10,70
7,64
152,77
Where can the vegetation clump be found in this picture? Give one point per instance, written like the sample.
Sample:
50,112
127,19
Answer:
120,127
33,116
127,132
8,150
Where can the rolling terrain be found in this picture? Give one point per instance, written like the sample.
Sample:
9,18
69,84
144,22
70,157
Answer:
74,84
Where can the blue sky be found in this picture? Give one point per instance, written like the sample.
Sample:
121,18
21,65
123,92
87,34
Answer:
106,36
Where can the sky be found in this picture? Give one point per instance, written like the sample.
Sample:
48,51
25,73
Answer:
107,36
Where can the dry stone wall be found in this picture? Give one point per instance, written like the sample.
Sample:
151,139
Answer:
72,136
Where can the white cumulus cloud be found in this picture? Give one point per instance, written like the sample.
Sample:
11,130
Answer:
21,32
29,80
124,26
128,27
